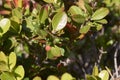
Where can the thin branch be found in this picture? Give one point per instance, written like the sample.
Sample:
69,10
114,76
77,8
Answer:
115,61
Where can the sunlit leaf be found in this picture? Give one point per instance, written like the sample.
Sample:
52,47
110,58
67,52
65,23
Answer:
5,25
12,60
59,21
67,76
104,75
37,78
100,13
95,71
52,77
3,57
7,76
19,71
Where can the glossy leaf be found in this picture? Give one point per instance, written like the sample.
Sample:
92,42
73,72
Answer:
19,71
95,71
78,18
104,75
7,76
100,14
52,77
12,60
67,76
37,78
59,21
43,14
4,25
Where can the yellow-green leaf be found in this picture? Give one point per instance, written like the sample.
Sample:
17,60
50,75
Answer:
67,76
7,76
12,60
3,57
84,29
100,13
104,75
4,25
59,21
19,71
37,78
95,71
52,77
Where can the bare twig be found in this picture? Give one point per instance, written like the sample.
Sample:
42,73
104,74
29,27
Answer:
115,60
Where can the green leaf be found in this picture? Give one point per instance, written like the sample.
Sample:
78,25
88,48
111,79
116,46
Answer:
78,18
84,29
3,67
7,76
67,76
55,52
37,78
19,71
100,14
4,25
15,27
12,60
20,3
3,57
50,1
104,75
59,21
91,77
95,71
17,12
99,27
74,10
43,14
102,21
52,77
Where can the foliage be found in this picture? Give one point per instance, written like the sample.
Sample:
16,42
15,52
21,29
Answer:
58,39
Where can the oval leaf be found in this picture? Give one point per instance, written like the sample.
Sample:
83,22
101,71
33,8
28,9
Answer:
59,21
74,10
37,78
52,77
12,60
67,76
104,75
55,52
102,21
19,71
3,57
84,29
100,13
78,18
4,25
